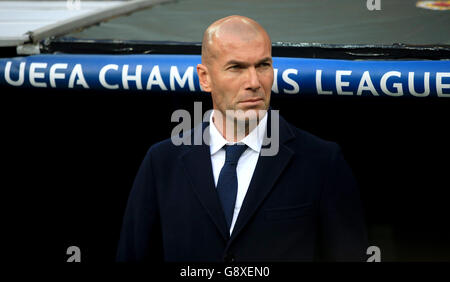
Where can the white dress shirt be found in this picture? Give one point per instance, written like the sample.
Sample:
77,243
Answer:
246,164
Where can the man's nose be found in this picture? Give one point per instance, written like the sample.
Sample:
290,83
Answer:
253,82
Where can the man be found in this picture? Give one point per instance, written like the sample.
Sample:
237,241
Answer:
226,200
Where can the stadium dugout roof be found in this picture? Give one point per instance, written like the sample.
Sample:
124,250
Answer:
320,21
323,28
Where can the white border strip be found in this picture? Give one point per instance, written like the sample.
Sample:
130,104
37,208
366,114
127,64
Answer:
82,21
6,41
88,19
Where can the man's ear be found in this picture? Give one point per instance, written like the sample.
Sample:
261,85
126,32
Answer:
203,77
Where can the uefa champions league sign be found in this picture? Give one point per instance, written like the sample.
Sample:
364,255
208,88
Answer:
177,73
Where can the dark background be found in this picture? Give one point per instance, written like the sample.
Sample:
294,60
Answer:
71,157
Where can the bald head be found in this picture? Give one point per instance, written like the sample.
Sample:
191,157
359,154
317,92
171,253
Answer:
229,29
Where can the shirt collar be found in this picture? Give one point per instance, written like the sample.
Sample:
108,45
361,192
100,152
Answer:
253,140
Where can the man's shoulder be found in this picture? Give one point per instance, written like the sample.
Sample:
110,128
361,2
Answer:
307,143
174,145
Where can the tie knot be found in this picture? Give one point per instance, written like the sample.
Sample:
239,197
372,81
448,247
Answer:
234,152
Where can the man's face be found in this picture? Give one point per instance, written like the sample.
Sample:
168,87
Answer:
240,75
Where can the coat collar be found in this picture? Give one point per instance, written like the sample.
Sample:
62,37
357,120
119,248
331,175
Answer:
253,140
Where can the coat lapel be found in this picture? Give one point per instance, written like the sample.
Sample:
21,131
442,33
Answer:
197,164
267,171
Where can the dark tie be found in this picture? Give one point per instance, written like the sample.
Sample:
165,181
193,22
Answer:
227,185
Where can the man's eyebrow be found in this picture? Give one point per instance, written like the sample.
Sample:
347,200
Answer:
265,60
236,62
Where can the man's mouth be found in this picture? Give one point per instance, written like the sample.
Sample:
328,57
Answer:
252,100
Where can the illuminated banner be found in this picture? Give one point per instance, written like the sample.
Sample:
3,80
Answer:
177,73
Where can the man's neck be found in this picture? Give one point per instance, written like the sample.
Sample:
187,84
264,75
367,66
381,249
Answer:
235,130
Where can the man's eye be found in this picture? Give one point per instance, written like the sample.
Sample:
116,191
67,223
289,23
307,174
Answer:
235,67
